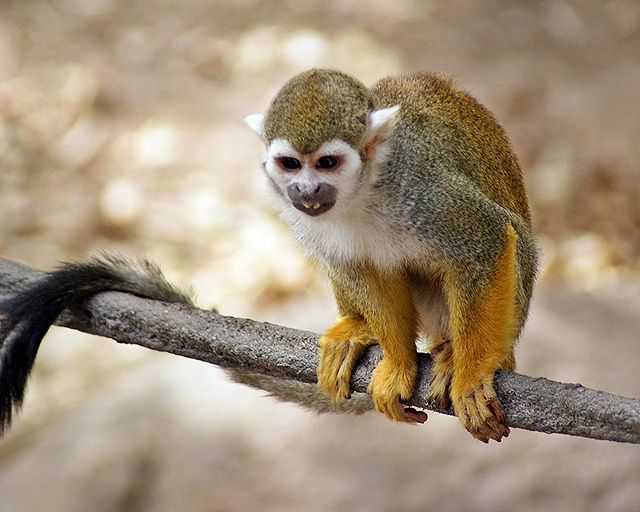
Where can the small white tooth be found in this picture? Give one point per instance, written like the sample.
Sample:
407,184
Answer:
315,206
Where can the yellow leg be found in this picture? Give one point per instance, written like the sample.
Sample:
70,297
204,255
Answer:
483,332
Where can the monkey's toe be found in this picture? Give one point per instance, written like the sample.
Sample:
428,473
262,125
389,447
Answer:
439,389
442,372
480,411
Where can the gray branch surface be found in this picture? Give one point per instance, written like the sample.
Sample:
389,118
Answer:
535,404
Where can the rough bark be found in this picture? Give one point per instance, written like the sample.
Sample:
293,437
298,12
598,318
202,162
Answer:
535,404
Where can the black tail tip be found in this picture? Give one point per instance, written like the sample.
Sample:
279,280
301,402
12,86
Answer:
6,414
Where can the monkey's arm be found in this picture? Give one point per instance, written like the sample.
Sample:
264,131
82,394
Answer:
27,315
377,308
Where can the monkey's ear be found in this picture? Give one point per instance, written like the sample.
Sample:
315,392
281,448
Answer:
255,122
380,125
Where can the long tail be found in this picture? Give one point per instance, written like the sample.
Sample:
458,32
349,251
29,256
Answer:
26,316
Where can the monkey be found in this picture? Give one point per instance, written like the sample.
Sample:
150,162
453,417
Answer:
410,196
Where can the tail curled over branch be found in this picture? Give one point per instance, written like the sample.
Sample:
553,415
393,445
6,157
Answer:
26,316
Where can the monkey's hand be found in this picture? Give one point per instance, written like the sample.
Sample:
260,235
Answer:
479,409
390,383
340,348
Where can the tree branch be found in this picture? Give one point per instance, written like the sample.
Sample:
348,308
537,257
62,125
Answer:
535,404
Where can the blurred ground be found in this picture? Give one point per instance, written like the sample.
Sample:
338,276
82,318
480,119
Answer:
120,130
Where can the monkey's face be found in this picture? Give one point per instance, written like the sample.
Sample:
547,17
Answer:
326,179
315,182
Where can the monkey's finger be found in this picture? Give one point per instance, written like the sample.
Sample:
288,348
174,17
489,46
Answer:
444,397
337,358
343,376
391,408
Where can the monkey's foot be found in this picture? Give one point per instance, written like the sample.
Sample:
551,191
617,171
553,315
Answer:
480,411
442,371
340,348
390,383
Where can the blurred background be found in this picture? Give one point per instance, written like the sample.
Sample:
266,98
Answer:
121,131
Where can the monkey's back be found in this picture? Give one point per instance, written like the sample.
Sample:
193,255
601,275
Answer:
462,135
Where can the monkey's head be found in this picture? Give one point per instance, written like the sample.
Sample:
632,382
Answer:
321,132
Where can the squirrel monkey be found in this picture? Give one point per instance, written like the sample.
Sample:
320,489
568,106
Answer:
410,196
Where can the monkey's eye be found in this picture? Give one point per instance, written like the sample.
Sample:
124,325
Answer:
290,163
326,162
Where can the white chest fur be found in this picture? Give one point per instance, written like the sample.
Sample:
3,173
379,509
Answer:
336,239
339,238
